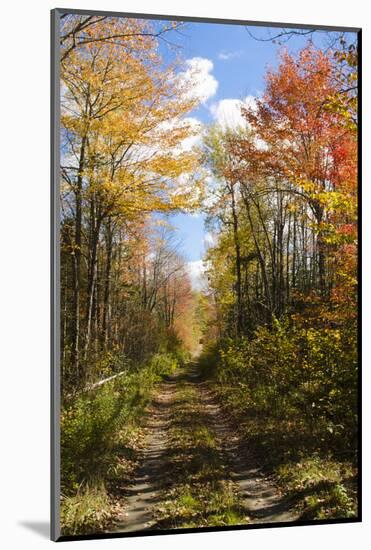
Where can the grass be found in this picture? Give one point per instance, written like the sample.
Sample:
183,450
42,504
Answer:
201,493
88,511
323,489
100,437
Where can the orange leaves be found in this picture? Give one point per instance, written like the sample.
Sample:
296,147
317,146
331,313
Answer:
302,140
310,152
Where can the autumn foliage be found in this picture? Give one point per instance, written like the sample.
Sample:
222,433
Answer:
123,158
277,318
283,274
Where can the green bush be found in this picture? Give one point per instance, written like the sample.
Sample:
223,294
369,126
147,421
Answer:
288,372
91,423
209,360
292,391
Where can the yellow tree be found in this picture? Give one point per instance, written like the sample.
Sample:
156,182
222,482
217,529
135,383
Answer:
123,135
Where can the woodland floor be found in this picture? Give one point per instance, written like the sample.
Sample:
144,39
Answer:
193,469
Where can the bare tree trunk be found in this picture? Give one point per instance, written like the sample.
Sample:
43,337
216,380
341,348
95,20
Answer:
107,285
261,259
240,320
92,273
293,277
288,260
76,263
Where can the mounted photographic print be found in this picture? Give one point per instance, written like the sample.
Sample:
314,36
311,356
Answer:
205,177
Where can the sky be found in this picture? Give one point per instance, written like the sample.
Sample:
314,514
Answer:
232,65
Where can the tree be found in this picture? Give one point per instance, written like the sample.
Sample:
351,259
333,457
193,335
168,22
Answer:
79,30
123,129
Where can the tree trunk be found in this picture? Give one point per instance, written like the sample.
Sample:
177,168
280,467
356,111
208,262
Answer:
76,264
240,320
107,285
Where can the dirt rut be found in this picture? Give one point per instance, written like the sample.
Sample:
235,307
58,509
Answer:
144,491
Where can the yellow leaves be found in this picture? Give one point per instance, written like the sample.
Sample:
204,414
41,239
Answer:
307,185
293,207
334,202
131,109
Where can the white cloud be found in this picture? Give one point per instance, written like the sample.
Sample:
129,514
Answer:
226,56
227,112
149,151
197,75
196,271
260,144
209,239
211,197
197,128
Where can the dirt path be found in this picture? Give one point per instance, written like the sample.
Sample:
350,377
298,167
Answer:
260,499
263,501
144,492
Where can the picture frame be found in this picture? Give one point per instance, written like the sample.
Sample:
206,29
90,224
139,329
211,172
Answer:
56,401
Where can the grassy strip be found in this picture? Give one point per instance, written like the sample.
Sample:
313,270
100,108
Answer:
322,488
100,437
201,494
320,481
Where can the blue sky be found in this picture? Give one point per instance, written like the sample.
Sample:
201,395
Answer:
234,65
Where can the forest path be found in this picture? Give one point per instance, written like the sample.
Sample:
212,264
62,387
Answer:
163,462
143,494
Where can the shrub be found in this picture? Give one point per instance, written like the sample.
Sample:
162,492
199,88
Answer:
90,424
288,372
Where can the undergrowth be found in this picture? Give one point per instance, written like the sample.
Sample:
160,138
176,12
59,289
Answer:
99,437
292,394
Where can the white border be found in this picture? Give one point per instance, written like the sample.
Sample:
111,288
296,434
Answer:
24,275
